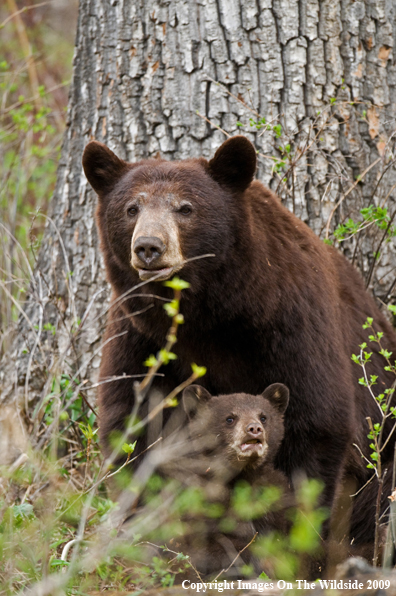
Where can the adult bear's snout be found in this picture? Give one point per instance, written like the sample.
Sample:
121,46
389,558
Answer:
148,249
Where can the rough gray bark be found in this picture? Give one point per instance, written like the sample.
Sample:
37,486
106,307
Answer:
142,71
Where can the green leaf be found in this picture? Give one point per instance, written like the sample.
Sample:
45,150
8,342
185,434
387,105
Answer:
277,128
129,448
166,356
59,563
177,284
49,327
199,371
87,431
172,308
151,361
172,403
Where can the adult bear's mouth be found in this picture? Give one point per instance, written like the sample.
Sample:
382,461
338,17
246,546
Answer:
160,274
155,274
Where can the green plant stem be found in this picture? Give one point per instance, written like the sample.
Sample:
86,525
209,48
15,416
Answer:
377,515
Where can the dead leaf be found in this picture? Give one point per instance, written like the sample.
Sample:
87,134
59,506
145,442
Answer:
383,54
373,121
381,145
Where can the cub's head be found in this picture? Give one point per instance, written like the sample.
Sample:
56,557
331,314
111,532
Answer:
245,429
155,216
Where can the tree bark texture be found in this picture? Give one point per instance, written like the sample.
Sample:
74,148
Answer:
167,77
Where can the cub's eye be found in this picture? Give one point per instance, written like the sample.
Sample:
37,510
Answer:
132,210
263,419
185,209
230,420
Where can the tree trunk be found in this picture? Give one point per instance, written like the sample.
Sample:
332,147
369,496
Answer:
173,77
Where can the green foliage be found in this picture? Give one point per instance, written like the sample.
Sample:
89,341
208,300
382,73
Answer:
31,127
371,215
37,533
276,129
251,502
129,448
177,284
287,555
383,399
198,371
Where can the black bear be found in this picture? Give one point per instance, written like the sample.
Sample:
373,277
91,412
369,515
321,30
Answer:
273,304
230,442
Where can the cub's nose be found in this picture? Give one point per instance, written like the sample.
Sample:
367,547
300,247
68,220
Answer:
254,429
148,249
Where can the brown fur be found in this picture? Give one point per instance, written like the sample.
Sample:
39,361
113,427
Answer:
210,452
275,304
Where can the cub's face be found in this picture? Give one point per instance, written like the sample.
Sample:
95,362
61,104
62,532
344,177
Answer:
155,216
245,429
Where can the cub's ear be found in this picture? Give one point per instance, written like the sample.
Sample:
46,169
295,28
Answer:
278,395
234,163
193,397
102,167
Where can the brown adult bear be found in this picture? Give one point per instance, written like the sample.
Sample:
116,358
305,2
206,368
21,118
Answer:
275,304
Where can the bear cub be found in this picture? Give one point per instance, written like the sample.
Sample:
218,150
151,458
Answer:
230,443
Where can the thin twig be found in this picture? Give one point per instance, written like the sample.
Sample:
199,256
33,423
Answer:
364,486
375,259
348,192
237,557
24,9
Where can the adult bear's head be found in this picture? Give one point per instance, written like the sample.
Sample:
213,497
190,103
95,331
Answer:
155,216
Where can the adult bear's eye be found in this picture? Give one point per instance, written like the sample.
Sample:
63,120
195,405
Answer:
230,420
132,210
263,419
185,209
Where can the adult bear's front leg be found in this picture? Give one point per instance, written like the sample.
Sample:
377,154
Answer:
124,352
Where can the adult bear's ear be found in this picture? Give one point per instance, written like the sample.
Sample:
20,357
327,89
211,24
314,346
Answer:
102,167
278,395
193,397
234,163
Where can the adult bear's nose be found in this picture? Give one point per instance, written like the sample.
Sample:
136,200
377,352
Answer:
148,249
